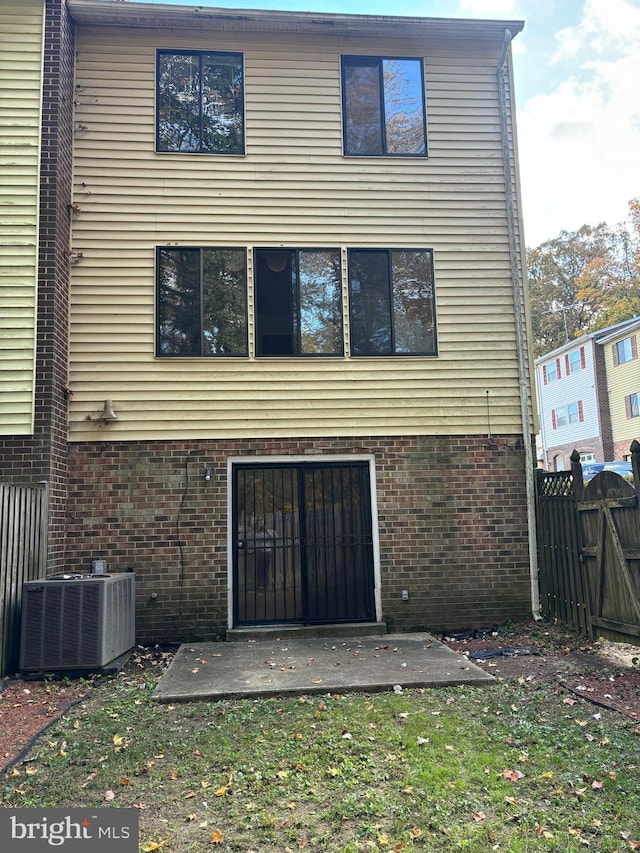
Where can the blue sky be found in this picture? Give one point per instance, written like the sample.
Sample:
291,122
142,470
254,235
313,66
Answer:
577,80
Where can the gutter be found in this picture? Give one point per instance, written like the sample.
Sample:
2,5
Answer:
520,315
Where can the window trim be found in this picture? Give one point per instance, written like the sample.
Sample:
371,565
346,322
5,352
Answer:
344,62
201,354
389,251
200,53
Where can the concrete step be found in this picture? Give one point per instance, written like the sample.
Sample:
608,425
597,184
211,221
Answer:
271,632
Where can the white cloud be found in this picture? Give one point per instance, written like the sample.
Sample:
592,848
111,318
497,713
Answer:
579,143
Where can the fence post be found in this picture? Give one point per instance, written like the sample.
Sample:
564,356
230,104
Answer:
576,473
635,465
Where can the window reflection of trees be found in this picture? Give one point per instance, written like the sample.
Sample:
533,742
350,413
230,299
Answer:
384,106
392,302
200,103
202,302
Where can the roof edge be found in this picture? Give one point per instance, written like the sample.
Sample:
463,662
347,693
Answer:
159,15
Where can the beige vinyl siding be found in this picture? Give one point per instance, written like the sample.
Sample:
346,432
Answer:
21,32
293,187
622,380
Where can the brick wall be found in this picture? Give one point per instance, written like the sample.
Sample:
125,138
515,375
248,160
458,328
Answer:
621,450
452,524
42,456
589,445
602,395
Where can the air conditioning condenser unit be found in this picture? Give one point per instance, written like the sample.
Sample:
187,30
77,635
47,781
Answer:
76,622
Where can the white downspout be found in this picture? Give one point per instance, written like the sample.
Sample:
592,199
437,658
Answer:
520,314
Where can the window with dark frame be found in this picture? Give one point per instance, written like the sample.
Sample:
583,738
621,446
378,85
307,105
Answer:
298,298
201,302
200,102
392,302
383,106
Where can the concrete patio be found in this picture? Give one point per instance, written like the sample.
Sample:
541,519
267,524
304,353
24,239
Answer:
280,665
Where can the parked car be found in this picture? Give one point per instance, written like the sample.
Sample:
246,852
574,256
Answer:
590,469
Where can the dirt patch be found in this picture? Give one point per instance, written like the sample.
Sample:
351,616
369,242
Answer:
605,673
29,707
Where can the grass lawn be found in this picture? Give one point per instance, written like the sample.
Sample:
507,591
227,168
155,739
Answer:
515,766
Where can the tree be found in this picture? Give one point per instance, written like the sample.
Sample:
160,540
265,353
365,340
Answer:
584,280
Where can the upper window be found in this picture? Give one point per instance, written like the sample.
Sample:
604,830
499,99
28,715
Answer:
392,302
575,360
383,106
624,351
551,371
201,302
200,102
298,302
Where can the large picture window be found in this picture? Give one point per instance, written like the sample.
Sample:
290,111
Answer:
200,102
298,302
392,302
383,106
201,302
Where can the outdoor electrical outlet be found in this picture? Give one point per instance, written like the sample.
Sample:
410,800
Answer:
405,595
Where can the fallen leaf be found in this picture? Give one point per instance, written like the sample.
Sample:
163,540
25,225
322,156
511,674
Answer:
216,837
478,816
109,796
512,775
596,785
221,791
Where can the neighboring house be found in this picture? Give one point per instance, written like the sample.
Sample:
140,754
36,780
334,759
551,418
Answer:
588,393
296,387
623,385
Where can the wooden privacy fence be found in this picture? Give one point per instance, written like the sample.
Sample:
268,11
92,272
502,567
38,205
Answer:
23,555
589,550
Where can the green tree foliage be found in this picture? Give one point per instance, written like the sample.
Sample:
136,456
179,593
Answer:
585,280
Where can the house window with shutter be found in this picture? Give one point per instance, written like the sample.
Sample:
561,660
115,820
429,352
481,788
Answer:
575,360
383,106
551,371
573,413
632,405
199,102
625,351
